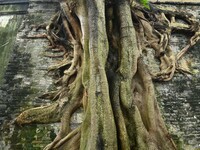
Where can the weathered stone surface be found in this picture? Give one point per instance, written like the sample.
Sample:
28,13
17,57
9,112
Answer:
25,79
180,98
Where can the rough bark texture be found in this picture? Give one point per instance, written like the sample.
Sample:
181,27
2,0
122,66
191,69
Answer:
103,71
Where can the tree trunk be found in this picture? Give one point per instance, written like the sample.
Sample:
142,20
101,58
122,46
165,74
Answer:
105,73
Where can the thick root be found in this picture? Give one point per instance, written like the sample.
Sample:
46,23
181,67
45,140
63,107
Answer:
157,36
43,114
70,140
121,113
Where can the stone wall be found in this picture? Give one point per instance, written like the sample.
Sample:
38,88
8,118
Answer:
180,98
25,79
25,75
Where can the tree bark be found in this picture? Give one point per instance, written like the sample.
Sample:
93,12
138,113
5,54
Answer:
105,74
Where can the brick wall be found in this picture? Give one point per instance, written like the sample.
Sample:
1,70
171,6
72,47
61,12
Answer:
180,98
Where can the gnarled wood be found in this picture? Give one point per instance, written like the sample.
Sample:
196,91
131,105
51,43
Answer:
103,71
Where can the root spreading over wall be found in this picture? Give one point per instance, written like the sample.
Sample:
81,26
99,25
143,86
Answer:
103,71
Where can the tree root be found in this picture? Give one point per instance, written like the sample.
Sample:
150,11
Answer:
63,63
75,102
49,95
157,36
43,114
69,138
121,113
